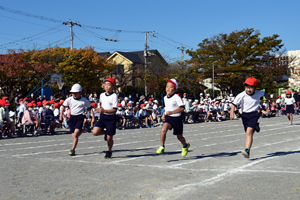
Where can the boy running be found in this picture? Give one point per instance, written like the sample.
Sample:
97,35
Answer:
249,101
77,105
172,117
107,110
289,103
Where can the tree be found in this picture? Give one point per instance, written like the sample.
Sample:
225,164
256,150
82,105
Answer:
18,71
234,57
84,66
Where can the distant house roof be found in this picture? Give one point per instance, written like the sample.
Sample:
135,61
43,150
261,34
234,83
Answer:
105,54
134,56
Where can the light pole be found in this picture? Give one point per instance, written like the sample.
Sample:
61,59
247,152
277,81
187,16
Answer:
213,77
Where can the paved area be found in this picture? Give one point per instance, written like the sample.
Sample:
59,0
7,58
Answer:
40,167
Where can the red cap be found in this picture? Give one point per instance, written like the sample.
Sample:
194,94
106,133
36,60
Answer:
2,102
142,105
129,104
20,100
34,105
94,105
150,99
29,105
288,92
45,102
251,81
119,105
51,101
110,80
33,101
57,105
39,103
4,98
61,101
279,96
24,99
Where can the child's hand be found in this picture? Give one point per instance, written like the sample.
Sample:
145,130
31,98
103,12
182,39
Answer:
231,116
168,113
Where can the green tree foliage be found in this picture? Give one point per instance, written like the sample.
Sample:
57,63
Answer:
235,57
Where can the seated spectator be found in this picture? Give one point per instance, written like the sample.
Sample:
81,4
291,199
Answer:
144,115
28,118
48,117
130,115
121,117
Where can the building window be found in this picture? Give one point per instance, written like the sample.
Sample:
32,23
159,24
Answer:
119,69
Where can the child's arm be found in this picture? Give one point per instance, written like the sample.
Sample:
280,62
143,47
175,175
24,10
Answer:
61,113
232,111
178,110
93,116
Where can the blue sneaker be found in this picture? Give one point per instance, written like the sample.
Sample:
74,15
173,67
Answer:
152,126
147,126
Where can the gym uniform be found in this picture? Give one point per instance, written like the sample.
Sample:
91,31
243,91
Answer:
77,108
175,120
249,105
290,105
108,120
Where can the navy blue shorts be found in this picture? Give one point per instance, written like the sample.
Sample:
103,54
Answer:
176,123
290,109
250,119
76,122
108,122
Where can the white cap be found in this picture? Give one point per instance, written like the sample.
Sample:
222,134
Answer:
174,82
76,88
227,100
126,98
231,95
11,113
155,101
201,93
146,102
137,103
223,100
196,100
130,102
201,102
194,103
205,100
208,95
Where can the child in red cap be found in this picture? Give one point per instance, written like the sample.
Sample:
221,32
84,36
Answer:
249,101
289,106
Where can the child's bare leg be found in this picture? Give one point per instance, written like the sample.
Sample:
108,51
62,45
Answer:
288,115
163,133
249,135
146,120
291,117
110,142
98,131
182,140
124,121
75,137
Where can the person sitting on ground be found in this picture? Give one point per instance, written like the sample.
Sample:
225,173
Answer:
48,117
144,115
130,115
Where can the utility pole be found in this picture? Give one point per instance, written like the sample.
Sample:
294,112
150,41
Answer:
145,56
71,29
182,51
213,75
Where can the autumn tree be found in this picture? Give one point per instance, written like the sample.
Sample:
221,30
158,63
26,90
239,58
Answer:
235,57
18,71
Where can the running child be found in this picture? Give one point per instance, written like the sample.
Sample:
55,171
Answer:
289,107
172,117
107,110
78,105
249,101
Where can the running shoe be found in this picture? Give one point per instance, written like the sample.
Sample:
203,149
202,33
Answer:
160,150
185,150
291,123
148,126
246,153
152,126
72,152
257,128
108,154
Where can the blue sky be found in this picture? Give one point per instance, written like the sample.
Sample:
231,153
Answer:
175,22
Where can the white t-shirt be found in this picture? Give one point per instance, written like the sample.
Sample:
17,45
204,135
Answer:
143,113
149,106
278,101
22,109
56,112
249,103
227,107
172,103
77,107
109,102
289,101
120,112
129,113
205,107
184,100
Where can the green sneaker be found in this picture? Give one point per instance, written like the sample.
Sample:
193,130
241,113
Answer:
160,150
72,152
185,150
246,153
